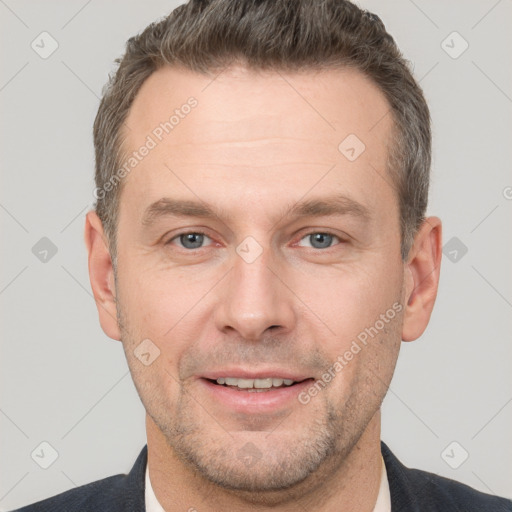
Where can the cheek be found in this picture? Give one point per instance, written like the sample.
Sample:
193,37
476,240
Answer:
350,300
156,302
159,307
363,335
364,361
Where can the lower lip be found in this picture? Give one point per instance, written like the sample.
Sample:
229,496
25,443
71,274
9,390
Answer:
255,402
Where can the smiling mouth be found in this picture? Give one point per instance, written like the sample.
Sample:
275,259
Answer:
255,385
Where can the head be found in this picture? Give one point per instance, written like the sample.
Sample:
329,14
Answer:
262,174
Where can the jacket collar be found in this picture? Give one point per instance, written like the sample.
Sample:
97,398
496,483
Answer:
403,489
135,485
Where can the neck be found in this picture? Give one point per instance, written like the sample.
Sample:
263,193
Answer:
353,481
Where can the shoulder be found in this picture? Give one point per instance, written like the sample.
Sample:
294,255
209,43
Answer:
446,494
93,496
415,490
123,492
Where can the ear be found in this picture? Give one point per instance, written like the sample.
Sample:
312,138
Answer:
101,275
422,278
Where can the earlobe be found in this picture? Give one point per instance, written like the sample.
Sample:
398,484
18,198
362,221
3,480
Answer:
101,275
422,278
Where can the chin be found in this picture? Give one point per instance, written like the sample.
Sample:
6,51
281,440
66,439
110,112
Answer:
266,464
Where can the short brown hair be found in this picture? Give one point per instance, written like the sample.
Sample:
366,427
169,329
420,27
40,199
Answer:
207,36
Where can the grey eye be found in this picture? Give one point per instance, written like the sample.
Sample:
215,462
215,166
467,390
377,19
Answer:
319,240
191,240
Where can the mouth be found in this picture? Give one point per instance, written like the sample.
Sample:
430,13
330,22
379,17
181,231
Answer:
260,385
255,396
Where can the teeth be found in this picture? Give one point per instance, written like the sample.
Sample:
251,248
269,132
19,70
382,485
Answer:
264,383
242,383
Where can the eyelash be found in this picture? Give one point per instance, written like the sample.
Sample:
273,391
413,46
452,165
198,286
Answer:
184,233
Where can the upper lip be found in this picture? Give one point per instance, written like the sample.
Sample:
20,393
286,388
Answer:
239,373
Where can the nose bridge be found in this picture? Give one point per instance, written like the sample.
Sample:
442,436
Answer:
253,297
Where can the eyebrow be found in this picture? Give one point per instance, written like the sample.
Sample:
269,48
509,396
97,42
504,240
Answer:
325,206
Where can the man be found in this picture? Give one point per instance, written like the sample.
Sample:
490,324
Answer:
260,247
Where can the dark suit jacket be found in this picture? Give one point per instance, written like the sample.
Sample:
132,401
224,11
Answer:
411,491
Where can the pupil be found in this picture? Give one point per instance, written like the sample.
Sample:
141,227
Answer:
324,240
192,240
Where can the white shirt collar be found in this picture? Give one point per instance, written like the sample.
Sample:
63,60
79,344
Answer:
152,504
383,503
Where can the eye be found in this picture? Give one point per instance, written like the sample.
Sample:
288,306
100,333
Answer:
319,240
190,240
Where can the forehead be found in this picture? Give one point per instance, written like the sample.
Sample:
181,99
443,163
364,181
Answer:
248,132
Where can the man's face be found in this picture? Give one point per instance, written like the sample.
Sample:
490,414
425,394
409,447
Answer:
264,288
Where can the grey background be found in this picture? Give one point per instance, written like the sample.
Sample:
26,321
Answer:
64,382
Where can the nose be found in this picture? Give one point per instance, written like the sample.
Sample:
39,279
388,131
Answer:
253,299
